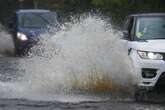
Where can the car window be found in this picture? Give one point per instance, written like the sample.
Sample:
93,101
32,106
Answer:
32,20
129,27
151,28
51,17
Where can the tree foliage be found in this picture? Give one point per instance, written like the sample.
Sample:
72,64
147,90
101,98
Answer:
117,8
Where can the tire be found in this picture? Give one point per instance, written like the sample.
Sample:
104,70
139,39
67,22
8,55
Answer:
18,53
21,53
140,95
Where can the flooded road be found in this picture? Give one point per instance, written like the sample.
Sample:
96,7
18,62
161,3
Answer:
14,97
15,104
83,67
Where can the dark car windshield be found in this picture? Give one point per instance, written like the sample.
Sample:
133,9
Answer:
149,28
37,20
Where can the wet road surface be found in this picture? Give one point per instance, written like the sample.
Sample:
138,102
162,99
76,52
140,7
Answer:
18,104
10,72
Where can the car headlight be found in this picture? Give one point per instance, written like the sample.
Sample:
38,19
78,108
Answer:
150,55
22,36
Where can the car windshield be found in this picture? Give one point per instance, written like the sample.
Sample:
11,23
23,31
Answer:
149,28
37,20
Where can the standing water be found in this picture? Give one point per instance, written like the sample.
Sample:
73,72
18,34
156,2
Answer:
85,57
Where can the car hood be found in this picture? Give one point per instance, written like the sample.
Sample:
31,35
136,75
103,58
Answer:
34,32
149,45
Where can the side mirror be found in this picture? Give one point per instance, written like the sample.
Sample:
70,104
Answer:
125,35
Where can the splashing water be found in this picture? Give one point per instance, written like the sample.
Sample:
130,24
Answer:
6,43
85,56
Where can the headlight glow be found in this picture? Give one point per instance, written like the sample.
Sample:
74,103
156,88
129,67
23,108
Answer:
150,55
22,36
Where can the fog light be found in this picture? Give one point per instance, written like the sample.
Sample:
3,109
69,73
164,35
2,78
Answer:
148,73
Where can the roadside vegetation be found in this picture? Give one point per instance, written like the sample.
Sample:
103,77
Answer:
114,8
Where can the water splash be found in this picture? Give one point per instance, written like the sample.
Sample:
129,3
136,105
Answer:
82,54
6,43
87,55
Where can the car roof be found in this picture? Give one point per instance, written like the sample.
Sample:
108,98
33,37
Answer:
147,15
32,11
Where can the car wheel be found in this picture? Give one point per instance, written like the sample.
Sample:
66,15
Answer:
20,53
140,95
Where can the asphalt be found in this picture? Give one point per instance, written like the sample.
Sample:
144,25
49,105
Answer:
20,104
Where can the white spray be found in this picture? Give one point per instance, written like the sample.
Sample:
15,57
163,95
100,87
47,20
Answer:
6,43
85,56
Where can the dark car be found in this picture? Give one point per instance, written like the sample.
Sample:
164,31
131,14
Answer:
27,25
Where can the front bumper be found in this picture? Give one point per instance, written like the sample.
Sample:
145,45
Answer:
141,64
25,46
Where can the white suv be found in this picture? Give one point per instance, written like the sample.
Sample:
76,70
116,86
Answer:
145,35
